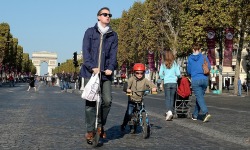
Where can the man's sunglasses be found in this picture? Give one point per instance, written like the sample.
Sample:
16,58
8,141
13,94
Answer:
137,73
106,14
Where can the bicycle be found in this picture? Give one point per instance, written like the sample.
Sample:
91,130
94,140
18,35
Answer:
139,116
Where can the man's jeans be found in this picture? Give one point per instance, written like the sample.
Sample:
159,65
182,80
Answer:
90,107
199,87
170,92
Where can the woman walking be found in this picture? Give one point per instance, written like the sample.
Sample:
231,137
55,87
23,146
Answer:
199,81
169,71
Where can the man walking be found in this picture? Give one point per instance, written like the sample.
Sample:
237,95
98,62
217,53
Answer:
100,39
239,87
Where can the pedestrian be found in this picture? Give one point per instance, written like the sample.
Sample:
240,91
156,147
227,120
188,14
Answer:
159,80
239,87
63,81
199,81
227,84
11,80
138,82
100,39
48,79
37,83
32,83
1,81
169,72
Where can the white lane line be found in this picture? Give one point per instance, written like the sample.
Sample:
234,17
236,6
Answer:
214,107
203,130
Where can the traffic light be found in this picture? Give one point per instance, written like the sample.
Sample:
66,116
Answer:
75,56
58,64
75,62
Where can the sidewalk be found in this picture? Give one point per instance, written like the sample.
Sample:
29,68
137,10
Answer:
229,93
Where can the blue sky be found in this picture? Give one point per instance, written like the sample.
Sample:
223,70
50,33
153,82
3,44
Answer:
55,25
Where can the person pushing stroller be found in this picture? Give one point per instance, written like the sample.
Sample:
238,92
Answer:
138,82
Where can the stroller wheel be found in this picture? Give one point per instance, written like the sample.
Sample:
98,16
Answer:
189,115
175,116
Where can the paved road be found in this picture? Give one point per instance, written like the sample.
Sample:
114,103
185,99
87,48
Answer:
51,119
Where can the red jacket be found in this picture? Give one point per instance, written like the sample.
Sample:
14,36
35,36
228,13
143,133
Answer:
184,87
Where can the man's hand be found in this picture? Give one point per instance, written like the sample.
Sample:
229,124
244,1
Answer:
108,72
96,70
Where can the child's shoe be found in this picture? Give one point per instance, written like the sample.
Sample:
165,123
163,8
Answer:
123,128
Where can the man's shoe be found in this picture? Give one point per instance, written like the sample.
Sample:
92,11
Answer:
206,118
101,132
89,136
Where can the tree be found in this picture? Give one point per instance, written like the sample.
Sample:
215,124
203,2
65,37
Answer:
115,24
124,51
241,13
19,58
26,63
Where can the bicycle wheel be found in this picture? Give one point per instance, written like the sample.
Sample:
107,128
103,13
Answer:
145,126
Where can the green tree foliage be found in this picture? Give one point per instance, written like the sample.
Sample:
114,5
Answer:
11,53
130,32
26,63
67,67
19,58
163,21
124,38
115,24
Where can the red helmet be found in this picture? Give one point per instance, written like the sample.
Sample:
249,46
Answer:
139,67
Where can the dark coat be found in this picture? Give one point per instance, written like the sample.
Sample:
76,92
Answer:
90,51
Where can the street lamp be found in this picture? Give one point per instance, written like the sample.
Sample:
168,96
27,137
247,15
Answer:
248,70
248,66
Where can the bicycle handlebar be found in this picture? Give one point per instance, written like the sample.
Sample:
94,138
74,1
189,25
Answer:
143,91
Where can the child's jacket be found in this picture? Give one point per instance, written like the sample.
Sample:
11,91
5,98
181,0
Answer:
138,85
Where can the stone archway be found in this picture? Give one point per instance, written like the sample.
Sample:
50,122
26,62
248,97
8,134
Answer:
44,56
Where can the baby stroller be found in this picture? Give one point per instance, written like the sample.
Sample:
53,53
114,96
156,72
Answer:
182,104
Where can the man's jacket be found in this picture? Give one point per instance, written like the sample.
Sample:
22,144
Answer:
90,49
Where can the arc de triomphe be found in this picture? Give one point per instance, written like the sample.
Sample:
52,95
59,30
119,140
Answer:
44,56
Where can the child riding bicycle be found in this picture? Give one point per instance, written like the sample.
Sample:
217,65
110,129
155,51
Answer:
138,82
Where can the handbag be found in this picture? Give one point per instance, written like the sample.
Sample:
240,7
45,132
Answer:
91,90
206,70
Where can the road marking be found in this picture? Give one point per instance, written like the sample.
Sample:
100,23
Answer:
220,108
201,129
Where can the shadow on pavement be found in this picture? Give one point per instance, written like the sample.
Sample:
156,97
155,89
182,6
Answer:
113,133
